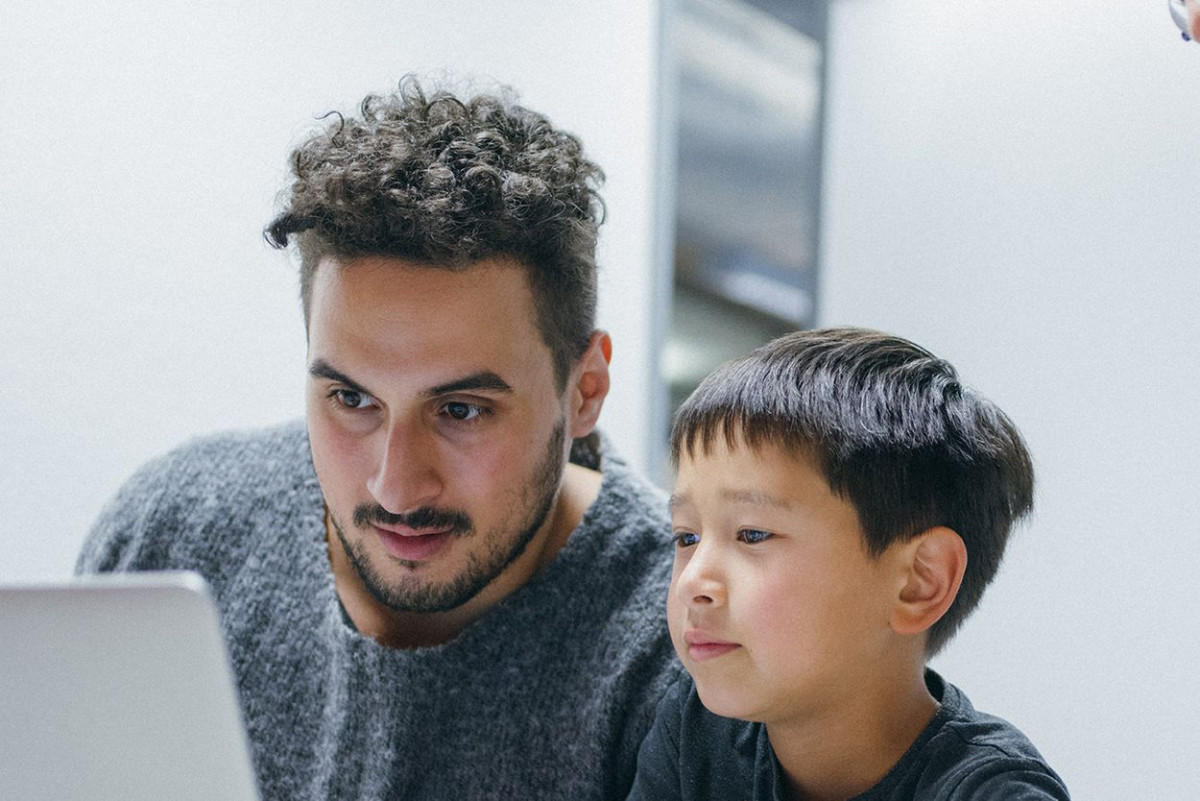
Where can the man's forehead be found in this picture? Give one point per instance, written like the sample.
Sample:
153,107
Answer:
332,267
494,293
396,326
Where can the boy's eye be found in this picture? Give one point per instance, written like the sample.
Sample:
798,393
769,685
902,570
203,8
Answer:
462,411
753,536
685,539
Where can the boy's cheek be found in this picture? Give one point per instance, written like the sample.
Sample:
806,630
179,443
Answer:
672,608
675,618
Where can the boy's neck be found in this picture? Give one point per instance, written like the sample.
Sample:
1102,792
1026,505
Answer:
848,752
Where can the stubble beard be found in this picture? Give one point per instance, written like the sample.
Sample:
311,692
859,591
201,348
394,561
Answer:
410,594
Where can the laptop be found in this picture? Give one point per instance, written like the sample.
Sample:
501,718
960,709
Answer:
118,687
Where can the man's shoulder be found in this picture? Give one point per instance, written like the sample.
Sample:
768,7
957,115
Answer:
208,487
227,461
248,449
628,501
625,534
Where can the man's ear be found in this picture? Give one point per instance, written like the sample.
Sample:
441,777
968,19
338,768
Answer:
935,561
589,384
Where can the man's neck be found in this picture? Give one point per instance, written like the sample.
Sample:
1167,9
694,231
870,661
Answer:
852,750
397,629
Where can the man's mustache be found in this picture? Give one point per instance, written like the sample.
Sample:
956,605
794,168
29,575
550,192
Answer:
426,517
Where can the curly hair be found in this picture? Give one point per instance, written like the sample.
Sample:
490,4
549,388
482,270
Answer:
446,183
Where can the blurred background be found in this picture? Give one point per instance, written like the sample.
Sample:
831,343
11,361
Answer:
1013,186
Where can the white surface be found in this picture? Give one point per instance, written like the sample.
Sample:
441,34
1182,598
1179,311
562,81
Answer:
1016,187
118,689
141,155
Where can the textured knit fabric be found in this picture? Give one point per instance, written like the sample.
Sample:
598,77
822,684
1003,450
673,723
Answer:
547,695
962,755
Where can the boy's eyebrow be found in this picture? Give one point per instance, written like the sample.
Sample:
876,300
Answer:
676,502
744,496
755,498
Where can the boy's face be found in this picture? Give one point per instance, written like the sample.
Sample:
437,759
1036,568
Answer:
775,607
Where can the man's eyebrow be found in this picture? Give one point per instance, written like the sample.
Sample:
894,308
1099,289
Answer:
323,369
483,381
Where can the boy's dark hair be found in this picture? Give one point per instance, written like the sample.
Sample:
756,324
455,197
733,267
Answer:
891,430
447,182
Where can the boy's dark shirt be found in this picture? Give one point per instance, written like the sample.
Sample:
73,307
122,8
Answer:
692,754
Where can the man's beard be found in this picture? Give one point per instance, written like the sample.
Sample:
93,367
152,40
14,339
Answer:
408,594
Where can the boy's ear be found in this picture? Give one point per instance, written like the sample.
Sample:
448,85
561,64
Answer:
935,561
590,382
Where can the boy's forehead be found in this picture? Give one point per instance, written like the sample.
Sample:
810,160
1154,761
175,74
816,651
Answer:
721,454
762,476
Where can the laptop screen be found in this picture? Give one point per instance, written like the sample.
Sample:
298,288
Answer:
118,687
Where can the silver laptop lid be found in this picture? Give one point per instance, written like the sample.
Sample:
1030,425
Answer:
118,687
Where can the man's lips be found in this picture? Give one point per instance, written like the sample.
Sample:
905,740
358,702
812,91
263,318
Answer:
702,646
409,544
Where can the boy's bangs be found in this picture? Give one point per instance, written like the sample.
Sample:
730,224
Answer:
745,405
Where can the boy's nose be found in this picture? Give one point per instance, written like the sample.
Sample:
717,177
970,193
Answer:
699,583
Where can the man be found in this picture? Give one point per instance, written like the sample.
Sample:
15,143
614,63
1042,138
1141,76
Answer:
422,598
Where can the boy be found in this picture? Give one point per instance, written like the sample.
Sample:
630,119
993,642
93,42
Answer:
840,505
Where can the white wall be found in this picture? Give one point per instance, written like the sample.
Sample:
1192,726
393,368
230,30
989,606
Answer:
141,151
1017,186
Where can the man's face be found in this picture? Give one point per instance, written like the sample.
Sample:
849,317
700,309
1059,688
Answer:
437,432
775,608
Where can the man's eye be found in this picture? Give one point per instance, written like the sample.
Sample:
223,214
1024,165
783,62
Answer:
753,536
462,411
685,539
351,399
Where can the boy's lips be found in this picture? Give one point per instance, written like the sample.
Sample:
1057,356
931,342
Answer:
411,545
702,646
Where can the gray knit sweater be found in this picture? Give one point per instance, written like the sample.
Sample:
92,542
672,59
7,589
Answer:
547,695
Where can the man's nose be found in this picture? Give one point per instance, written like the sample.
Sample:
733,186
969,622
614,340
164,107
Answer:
407,474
